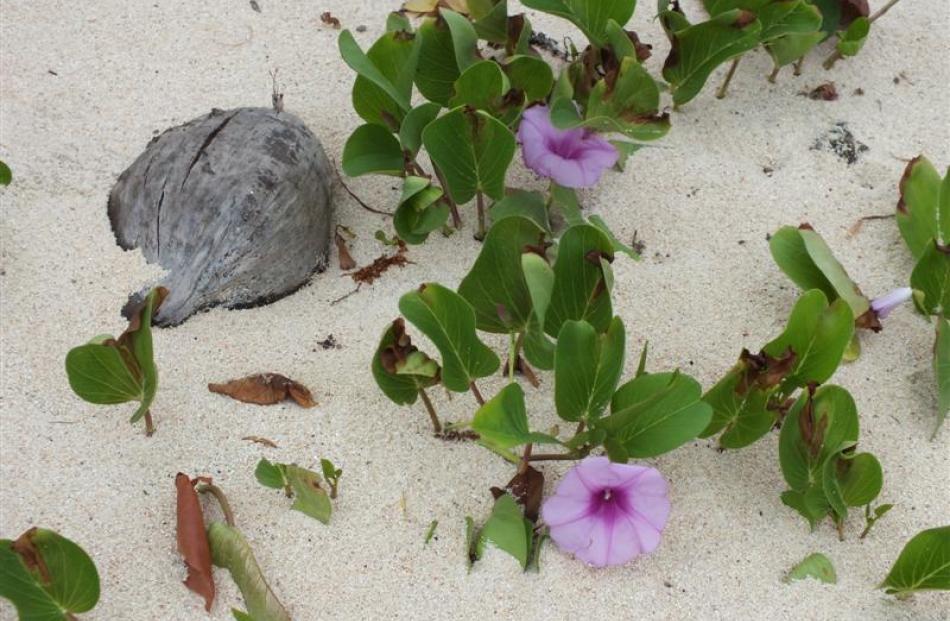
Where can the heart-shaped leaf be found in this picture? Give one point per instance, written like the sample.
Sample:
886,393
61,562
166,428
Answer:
587,367
808,260
98,373
399,368
473,151
410,132
47,577
741,412
496,286
230,550
481,86
817,566
392,62
851,480
437,69
923,564
531,75
503,420
372,149
522,204
923,212
580,287
449,321
420,210
655,413
818,335
699,49
591,16
506,529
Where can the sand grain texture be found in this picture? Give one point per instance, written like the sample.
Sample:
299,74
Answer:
702,201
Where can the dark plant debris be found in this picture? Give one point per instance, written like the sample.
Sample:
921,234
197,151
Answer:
346,259
526,487
255,6
840,141
329,343
823,92
458,435
265,389
368,274
328,19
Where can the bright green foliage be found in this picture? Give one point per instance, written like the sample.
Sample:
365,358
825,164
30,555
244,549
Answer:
654,414
852,40
449,321
64,582
923,213
108,371
817,566
740,408
384,88
421,210
503,421
699,49
6,175
580,291
301,484
587,368
230,550
591,16
808,260
496,286
506,529
923,564
372,149
473,150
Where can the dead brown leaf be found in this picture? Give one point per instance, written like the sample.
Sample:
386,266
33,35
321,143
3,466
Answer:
193,541
328,19
824,92
265,389
260,440
526,487
346,259
368,274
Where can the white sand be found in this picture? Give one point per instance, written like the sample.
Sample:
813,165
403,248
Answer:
706,288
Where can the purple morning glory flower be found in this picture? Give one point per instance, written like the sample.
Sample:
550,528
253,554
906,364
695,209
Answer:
573,158
883,305
605,513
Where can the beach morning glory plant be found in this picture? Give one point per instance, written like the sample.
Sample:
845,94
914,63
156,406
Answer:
606,513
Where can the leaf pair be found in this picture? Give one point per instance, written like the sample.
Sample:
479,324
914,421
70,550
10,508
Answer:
299,483
923,217
747,401
816,452
108,371
224,546
47,577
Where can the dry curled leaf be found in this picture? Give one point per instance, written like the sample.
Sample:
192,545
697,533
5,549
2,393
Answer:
526,487
328,19
824,92
346,259
260,440
265,389
369,273
193,541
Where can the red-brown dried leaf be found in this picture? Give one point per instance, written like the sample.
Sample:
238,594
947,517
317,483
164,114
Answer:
193,540
346,259
368,274
764,371
135,317
852,10
526,487
30,556
265,389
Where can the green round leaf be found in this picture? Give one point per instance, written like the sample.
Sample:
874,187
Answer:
372,149
923,564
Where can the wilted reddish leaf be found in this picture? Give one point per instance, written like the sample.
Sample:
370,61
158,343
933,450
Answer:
30,556
379,267
346,259
526,487
764,371
134,313
192,540
852,10
265,389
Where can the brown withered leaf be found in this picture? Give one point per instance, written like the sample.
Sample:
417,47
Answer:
134,313
265,389
346,259
327,18
193,541
764,371
526,487
30,556
260,440
824,92
368,274
853,9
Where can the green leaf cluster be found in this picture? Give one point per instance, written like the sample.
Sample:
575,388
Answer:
923,217
47,577
109,370
300,484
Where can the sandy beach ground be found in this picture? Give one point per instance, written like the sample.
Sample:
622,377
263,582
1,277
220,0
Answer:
84,87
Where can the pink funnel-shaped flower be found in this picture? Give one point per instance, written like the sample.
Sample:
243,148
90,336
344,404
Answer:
883,305
605,513
573,158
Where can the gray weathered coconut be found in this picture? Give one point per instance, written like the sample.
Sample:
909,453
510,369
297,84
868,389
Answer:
236,205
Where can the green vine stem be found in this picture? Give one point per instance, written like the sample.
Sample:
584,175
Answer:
436,424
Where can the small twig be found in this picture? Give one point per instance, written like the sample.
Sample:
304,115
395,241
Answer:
555,457
798,66
436,424
214,490
837,55
859,223
721,93
341,298
149,424
525,458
